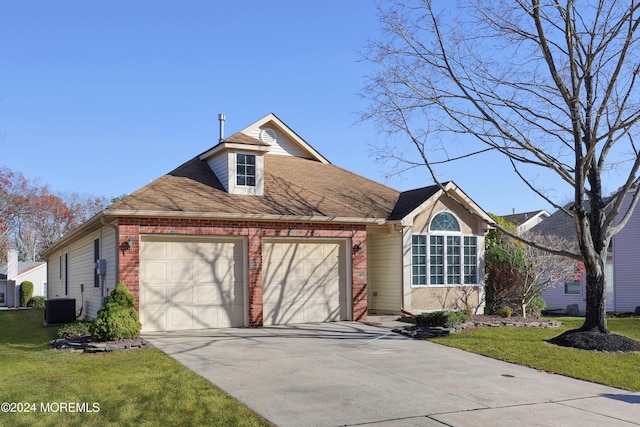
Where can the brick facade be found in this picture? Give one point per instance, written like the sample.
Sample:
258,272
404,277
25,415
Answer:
133,227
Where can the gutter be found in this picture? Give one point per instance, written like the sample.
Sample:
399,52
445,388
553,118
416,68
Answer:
243,217
100,219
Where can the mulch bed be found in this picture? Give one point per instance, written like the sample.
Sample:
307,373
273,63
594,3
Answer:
588,340
476,321
87,344
585,340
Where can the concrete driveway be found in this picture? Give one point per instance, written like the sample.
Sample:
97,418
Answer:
348,373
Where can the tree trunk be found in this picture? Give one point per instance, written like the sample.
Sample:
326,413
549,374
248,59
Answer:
596,316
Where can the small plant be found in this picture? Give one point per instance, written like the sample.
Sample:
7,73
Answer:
75,330
26,292
117,318
445,319
37,302
536,306
505,312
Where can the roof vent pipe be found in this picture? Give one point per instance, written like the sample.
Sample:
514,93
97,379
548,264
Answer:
221,118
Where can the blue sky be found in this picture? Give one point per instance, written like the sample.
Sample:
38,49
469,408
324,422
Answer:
101,98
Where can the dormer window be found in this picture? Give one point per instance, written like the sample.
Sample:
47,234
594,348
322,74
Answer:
246,170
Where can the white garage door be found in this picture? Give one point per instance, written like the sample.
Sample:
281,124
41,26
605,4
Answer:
191,283
304,281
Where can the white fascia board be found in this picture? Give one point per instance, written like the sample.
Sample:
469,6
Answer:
241,216
232,146
454,190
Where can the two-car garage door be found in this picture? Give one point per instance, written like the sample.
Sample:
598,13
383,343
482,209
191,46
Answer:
196,283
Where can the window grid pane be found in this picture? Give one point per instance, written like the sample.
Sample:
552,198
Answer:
419,259
470,260
246,170
444,221
436,260
453,260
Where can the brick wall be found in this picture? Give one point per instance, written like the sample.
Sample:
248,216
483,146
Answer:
133,227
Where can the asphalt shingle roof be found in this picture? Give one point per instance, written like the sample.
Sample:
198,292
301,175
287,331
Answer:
293,186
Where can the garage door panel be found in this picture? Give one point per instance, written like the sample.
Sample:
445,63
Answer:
180,250
180,318
154,295
182,294
155,272
154,250
191,284
180,271
304,281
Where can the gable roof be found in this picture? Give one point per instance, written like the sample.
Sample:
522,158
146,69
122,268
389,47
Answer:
562,224
521,218
412,202
409,200
23,267
292,186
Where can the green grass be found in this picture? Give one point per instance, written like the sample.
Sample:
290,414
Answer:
136,387
527,347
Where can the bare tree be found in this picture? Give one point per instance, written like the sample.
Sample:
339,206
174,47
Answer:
550,86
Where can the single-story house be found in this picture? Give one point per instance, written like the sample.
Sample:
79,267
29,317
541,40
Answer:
14,272
261,229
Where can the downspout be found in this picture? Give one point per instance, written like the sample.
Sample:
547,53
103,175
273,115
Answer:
115,227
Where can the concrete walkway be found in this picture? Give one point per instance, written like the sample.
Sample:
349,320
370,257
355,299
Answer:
352,374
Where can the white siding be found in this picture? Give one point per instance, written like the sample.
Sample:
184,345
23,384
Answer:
283,146
384,272
37,276
81,271
55,277
219,166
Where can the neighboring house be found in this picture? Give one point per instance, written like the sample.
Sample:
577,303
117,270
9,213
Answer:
262,229
14,273
526,220
569,291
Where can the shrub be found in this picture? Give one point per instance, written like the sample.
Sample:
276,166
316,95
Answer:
36,302
536,306
117,318
26,292
445,319
75,330
505,312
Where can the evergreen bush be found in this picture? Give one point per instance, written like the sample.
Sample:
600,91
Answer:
36,302
26,292
445,319
117,318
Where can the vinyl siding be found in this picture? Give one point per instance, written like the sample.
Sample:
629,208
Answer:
626,266
55,275
219,166
384,266
555,298
81,271
283,146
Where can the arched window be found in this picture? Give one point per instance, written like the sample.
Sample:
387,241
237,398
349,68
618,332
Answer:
444,221
444,256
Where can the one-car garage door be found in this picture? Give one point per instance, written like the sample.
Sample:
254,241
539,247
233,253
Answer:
304,281
191,283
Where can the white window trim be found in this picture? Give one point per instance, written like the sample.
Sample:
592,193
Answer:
445,234
256,190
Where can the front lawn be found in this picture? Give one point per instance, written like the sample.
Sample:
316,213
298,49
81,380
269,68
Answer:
527,346
135,387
